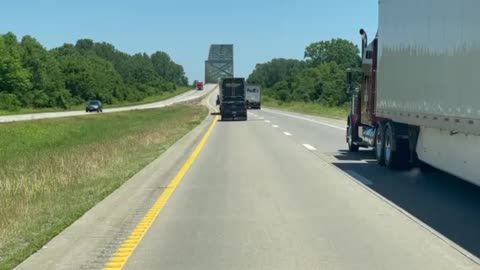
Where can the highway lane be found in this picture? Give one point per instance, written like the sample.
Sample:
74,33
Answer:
261,195
273,193
187,96
444,202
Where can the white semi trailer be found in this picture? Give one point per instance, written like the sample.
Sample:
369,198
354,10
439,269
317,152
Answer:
419,98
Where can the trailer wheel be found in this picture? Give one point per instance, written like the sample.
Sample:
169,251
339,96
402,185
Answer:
396,150
380,144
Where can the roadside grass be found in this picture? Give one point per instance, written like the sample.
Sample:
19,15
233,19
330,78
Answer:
308,108
81,107
53,171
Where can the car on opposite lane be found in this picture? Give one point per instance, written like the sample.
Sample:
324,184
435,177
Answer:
94,105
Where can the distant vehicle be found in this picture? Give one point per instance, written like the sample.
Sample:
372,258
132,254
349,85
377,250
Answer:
253,97
94,106
232,99
418,98
199,85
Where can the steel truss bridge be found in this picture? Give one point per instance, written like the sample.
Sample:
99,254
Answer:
220,63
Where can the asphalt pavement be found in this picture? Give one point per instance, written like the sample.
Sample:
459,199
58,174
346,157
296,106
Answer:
278,191
441,201
268,194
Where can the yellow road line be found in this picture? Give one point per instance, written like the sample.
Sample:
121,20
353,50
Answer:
123,253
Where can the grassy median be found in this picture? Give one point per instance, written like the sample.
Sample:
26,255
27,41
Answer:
53,171
308,108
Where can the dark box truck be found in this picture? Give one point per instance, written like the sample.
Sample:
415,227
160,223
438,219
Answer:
232,99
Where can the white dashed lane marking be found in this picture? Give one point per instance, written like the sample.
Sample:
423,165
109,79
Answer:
287,133
309,147
275,126
307,119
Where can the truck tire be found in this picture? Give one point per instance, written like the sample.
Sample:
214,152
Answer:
380,144
396,150
351,146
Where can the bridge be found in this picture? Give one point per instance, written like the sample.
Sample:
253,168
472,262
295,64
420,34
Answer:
220,62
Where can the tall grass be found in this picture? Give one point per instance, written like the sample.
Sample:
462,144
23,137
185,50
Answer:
53,171
308,108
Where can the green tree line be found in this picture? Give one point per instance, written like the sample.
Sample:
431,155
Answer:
320,77
32,76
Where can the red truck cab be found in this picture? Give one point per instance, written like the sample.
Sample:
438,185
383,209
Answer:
199,85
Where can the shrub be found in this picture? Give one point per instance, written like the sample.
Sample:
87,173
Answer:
9,102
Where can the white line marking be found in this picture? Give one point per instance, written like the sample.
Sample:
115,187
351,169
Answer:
275,126
309,120
287,133
309,147
360,178
266,121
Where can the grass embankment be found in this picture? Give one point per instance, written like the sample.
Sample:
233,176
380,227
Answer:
151,99
308,108
53,171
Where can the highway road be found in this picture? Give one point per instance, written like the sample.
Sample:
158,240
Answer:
278,191
187,96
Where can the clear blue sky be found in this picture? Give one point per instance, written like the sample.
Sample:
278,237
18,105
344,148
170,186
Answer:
260,29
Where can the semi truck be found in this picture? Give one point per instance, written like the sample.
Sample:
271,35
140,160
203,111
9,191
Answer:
199,85
254,97
419,98
232,100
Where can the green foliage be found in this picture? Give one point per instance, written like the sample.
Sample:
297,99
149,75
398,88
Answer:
13,77
90,77
340,51
320,79
72,74
9,102
167,69
270,73
48,87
